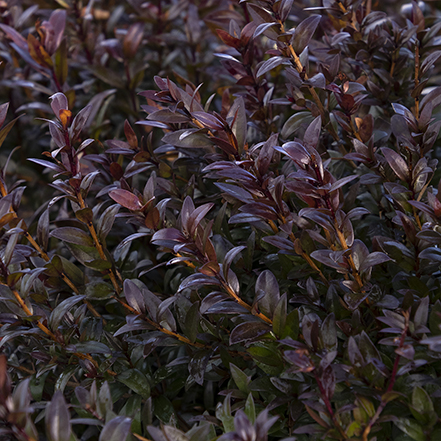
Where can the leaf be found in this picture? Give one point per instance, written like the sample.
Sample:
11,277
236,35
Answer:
135,380
396,163
267,292
126,199
240,378
133,39
57,419
58,103
422,313
134,296
410,428
229,258
304,32
6,129
421,400
235,191
375,258
3,112
248,331
196,217
198,365
237,116
268,65
192,320
73,235
79,122
342,182
105,222
312,133
328,333
117,429
93,347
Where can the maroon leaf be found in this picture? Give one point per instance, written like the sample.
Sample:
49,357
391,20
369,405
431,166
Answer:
133,39
57,21
126,199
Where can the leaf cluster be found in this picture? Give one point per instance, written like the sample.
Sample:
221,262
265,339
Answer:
223,223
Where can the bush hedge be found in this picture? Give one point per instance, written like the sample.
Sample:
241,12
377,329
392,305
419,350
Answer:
223,220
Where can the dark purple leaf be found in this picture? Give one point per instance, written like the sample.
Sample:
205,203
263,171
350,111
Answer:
312,133
196,217
396,163
134,296
268,65
212,299
304,32
235,191
197,281
248,331
47,164
229,258
57,21
167,237
117,429
17,38
73,235
342,182
79,122
375,258
57,419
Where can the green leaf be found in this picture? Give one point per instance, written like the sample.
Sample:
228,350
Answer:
240,378
99,291
279,317
292,325
192,322
135,380
163,409
435,318
250,409
104,402
411,428
422,407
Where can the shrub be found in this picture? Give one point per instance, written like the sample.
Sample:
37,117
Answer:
256,259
